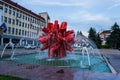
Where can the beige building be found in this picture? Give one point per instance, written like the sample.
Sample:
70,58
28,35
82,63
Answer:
103,35
23,25
45,16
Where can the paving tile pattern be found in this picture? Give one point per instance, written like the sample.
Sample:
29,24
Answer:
37,72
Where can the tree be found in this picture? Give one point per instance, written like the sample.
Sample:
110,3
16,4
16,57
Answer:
92,34
94,37
113,39
98,40
77,32
80,33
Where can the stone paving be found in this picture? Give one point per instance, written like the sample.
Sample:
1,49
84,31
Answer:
113,56
38,72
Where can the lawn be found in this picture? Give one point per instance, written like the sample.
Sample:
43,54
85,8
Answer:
6,77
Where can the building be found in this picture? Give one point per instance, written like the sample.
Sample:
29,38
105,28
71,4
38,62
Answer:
45,16
23,25
103,35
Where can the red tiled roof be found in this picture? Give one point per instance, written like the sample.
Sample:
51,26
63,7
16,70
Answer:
105,31
22,8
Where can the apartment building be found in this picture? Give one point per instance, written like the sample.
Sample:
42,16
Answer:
23,25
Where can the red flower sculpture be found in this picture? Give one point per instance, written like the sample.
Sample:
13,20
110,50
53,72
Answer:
57,39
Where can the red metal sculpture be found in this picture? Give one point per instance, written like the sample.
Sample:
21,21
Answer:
57,39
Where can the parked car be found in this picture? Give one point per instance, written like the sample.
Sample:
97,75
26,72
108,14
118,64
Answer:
29,46
33,47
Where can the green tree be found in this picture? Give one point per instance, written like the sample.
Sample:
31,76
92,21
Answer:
94,37
80,33
98,40
92,34
113,39
77,32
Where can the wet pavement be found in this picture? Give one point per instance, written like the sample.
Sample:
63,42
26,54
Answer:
38,72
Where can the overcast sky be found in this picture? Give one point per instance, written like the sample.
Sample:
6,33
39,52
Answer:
80,14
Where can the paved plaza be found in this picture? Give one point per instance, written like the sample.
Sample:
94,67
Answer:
38,72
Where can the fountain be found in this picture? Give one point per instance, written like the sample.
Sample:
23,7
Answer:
58,40
13,48
13,51
11,45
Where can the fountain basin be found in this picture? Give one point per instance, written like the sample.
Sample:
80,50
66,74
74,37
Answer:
72,60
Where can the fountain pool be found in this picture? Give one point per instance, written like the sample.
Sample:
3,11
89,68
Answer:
72,60
58,40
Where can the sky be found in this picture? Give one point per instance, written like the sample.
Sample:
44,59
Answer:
79,14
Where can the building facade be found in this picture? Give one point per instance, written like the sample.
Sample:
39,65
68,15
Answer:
103,35
23,25
45,16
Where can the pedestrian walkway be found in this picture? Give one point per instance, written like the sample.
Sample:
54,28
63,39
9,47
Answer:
37,72
113,56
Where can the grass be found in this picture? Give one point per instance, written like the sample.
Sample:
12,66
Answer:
6,77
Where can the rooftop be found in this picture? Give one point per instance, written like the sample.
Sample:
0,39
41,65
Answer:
22,8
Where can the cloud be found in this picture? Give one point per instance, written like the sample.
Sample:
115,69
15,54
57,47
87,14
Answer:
74,3
83,20
115,3
85,16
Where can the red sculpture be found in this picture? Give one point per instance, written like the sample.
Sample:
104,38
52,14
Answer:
57,39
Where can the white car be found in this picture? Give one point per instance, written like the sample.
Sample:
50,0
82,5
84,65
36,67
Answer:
33,47
30,46
27,46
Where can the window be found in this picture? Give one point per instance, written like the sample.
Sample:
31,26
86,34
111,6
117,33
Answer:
33,27
5,19
26,17
22,32
9,21
13,21
17,14
9,11
16,31
19,31
9,30
28,26
6,10
13,30
23,24
25,33
20,16
17,22
14,13
23,16
28,33
33,21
